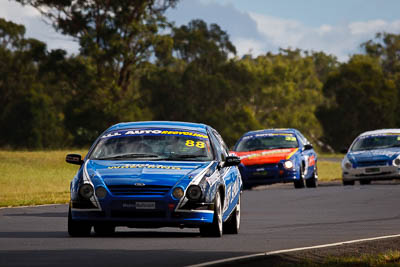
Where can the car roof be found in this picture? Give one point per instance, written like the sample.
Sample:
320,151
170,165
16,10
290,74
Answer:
381,131
199,127
273,130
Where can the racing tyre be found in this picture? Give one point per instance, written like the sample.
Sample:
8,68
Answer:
76,228
247,187
104,229
312,182
348,182
233,224
364,182
299,183
215,229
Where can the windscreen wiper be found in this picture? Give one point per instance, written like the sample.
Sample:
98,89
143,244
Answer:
187,156
131,155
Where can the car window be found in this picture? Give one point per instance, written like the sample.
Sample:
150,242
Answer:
224,147
156,143
376,142
218,146
302,139
266,141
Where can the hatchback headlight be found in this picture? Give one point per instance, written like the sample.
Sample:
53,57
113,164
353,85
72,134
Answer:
193,192
86,191
348,165
101,192
288,164
396,161
178,193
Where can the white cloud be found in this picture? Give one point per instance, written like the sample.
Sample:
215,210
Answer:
279,31
324,29
367,26
35,26
249,32
248,46
13,11
341,40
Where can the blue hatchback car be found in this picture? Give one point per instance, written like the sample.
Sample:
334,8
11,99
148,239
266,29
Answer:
276,155
373,155
156,174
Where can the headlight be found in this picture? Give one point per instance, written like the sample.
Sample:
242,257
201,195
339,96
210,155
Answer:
193,192
178,193
348,165
288,164
101,192
396,161
86,191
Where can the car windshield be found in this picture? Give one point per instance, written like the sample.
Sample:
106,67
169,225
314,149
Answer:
266,141
153,144
376,142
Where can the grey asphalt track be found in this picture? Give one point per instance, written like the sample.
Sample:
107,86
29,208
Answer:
273,217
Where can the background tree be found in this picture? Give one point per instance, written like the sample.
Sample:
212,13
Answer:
31,115
360,98
116,40
385,47
287,91
197,82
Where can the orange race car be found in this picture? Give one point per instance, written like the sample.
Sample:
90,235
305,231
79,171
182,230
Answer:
276,155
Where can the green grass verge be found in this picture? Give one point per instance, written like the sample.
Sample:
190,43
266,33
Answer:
388,259
329,171
43,177
32,178
331,155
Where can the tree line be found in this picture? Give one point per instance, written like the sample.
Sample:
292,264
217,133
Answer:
134,65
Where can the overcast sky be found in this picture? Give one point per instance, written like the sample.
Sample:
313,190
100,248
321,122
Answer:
258,26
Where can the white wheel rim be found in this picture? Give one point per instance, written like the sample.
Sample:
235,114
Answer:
219,212
238,214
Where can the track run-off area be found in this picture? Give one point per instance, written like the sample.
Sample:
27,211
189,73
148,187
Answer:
276,217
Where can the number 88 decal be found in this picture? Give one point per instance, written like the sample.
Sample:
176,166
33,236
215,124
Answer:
198,144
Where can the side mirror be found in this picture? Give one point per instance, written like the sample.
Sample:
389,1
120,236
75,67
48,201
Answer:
231,161
308,147
74,159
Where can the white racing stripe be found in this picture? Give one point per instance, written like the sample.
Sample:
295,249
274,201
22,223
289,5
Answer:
267,253
86,179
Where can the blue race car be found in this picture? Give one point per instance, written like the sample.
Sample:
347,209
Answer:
156,174
276,155
374,155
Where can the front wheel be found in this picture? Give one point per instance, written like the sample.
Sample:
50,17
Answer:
233,224
312,182
363,182
299,183
104,230
77,228
348,182
215,228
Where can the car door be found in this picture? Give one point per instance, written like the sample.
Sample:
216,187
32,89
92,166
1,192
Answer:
229,175
308,155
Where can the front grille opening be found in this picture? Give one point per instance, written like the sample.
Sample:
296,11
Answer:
134,214
132,190
372,163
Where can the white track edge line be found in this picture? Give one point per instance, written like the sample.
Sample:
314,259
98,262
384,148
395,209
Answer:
32,206
267,253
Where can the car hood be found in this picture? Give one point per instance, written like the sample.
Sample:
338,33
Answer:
165,173
265,156
374,155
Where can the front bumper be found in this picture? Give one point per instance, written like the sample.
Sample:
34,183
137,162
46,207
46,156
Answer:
266,174
372,173
122,211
